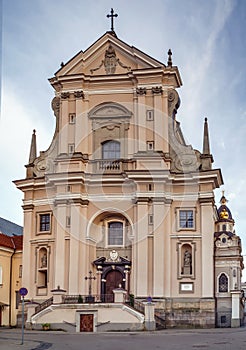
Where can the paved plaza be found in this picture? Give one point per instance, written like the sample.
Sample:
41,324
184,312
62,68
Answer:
216,339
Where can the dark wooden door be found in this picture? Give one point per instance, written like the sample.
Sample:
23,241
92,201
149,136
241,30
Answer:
113,280
86,323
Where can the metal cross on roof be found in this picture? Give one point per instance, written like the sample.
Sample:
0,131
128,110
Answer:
112,15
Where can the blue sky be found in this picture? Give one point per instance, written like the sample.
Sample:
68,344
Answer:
208,41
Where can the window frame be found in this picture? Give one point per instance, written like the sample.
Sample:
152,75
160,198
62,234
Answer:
178,219
71,148
223,274
149,114
123,233
117,153
150,146
71,118
39,216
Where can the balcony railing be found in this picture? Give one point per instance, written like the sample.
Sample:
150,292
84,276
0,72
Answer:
109,165
95,298
112,165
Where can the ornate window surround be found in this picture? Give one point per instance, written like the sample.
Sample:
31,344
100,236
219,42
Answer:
110,121
39,216
178,212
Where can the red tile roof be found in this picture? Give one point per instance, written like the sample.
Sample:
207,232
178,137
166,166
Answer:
15,242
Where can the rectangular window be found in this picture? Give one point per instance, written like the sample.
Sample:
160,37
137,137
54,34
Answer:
20,271
186,219
71,148
44,222
150,219
150,114
150,145
68,221
17,299
71,118
115,233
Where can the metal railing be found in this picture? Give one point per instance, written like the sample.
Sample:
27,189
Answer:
44,305
81,299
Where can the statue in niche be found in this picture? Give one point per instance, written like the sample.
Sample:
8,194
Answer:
187,265
44,260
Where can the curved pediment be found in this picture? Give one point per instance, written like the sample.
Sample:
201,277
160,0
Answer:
109,110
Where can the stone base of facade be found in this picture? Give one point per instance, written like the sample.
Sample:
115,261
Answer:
235,323
189,313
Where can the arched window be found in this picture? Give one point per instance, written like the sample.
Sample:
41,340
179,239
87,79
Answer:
115,233
111,150
223,283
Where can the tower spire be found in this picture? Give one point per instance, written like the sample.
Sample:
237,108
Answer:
169,61
33,148
206,147
206,156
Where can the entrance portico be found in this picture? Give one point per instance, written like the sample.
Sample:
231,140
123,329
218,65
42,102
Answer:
113,272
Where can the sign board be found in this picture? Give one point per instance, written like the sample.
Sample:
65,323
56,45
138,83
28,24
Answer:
23,291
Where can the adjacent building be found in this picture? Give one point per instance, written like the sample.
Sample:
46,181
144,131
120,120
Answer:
11,236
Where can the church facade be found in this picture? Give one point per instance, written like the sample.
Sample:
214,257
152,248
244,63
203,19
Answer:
120,200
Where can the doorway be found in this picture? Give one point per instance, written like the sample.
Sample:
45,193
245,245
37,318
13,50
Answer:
86,322
114,279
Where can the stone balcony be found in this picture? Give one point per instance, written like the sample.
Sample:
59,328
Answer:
112,166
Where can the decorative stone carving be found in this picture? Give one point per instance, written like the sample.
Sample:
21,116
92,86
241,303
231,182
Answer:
55,105
44,260
79,94
65,95
141,91
114,256
157,90
109,111
184,157
42,165
187,258
110,62
186,162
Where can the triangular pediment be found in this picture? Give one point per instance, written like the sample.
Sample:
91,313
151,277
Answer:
108,55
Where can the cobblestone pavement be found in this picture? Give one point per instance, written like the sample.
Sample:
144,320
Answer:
216,339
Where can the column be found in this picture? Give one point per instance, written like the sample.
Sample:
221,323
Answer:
75,279
159,273
63,127
28,269
81,129
207,248
141,123
159,129
235,308
60,226
99,277
142,250
168,254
